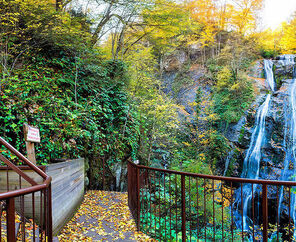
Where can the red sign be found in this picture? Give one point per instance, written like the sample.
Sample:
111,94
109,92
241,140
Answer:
33,135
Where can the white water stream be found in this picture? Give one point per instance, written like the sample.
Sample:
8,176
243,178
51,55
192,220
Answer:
252,159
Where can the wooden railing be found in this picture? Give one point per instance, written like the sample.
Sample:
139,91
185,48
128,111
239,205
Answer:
25,203
178,206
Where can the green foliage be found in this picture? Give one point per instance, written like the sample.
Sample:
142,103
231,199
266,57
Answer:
167,24
238,53
156,113
43,94
53,79
268,53
161,210
233,95
213,68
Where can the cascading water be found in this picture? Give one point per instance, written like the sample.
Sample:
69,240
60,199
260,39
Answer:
259,141
268,64
286,60
290,146
252,159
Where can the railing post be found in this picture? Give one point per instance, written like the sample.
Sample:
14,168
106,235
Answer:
129,185
138,199
183,208
265,212
49,207
10,219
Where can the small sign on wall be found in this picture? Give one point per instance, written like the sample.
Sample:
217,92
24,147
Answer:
32,135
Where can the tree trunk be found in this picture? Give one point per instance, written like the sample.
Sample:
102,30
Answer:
58,4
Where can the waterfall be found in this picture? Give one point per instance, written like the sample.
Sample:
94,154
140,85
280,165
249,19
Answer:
268,64
253,157
254,154
251,166
290,146
293,138
286,60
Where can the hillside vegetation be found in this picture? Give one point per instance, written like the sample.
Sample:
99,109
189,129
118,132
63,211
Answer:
91,78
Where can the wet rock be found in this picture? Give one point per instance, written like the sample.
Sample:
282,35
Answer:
235,130
185,95
174,61
168,80
284,68
286,59
195,51
256,70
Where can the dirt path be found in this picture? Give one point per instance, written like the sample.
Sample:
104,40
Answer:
102,216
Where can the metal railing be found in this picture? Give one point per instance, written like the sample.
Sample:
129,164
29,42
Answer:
178,206
25,199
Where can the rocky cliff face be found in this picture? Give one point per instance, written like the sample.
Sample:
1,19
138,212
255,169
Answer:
182,80
273,150
274,156
277,158
190,78
238,134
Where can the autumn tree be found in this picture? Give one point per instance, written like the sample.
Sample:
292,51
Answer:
245,14
288,40
205,13
24,27
156,111
114,18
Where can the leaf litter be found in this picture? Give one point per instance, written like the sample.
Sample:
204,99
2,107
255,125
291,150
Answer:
103,216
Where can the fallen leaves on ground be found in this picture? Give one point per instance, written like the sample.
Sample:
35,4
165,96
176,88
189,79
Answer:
103,216
18,223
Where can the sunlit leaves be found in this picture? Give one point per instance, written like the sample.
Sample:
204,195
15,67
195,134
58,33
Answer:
156,112
288,41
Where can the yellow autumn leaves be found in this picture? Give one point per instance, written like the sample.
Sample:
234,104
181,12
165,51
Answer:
103,216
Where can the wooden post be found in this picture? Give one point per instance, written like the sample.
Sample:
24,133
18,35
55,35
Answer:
31,152
31,136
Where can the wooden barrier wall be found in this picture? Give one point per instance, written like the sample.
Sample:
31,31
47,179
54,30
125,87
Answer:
67,190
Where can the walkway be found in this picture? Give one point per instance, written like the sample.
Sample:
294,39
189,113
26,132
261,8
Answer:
102,216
